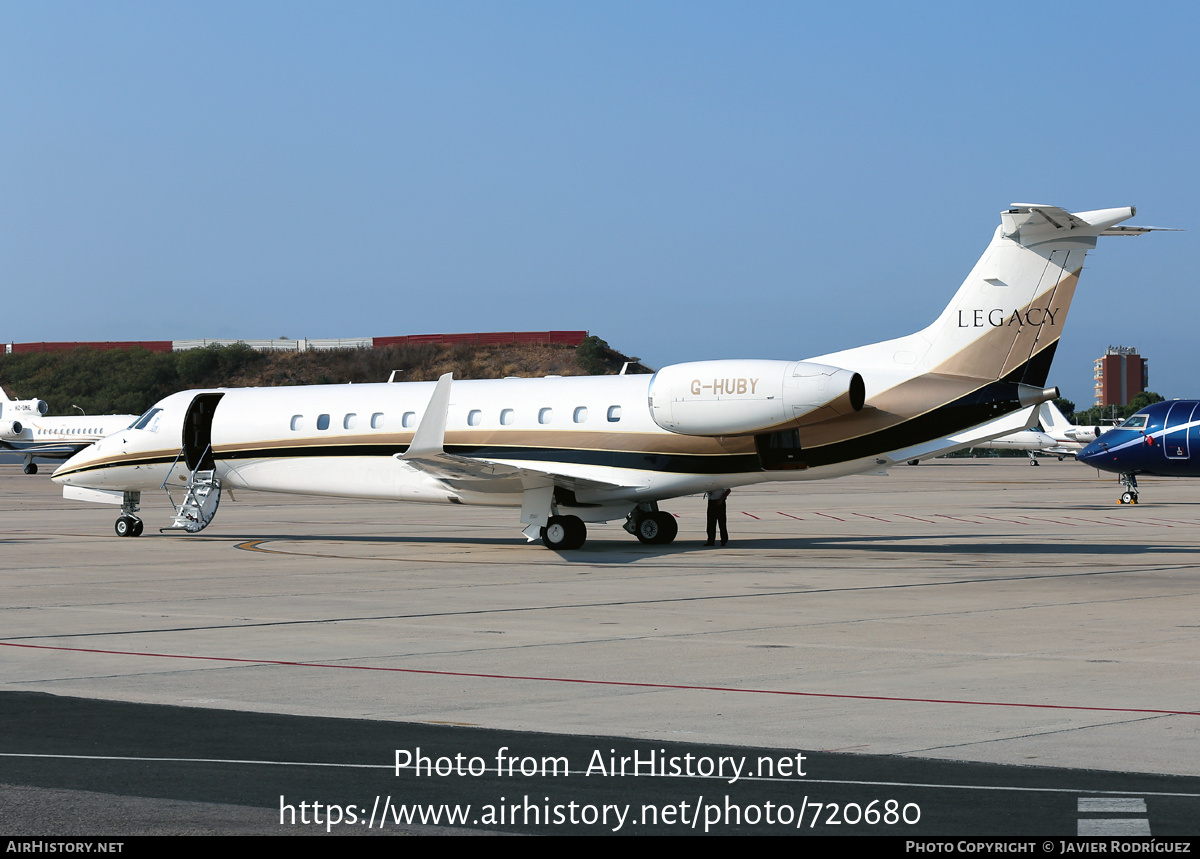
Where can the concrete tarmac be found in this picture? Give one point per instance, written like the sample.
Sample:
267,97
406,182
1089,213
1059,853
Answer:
962,610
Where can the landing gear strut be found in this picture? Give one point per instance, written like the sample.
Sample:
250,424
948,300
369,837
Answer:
129,525
1032,458
30,466
650,525
1130,495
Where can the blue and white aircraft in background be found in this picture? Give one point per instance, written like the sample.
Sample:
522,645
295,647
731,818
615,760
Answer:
1162,440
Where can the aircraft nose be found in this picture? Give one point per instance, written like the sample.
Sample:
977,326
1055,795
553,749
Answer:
1091,453
74,472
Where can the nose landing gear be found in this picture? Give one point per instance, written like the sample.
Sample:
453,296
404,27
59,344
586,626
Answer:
129,524
1130,495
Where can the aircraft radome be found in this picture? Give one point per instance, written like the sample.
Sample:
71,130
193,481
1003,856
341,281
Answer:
1162,439
25,428
567,451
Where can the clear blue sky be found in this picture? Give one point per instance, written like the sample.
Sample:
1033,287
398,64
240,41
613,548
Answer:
688,180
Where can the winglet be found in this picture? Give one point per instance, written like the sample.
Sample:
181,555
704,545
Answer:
430,436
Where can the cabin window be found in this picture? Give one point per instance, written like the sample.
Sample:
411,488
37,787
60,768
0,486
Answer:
297,423
409,420
545,415
580,414
322,422
377,420
473,417
506,417
350,421
614,414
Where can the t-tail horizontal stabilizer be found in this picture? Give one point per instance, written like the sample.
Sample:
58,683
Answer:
1062,220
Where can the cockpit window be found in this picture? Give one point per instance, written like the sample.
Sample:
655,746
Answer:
1135,422
148,421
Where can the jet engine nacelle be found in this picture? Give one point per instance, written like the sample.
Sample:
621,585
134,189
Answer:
715,398
26,407
11,429
1085,434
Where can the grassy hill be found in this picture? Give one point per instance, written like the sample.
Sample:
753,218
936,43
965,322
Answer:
117,381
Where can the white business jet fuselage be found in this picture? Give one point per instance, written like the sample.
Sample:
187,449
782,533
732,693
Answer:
26,429
591,449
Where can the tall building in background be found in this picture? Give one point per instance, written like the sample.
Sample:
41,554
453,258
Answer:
1120,376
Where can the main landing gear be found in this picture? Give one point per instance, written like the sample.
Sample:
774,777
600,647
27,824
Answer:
564,532
30,466
1032,458
652,526
1130,495
130,524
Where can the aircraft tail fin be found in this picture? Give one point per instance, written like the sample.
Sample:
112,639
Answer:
1005,321
1051,418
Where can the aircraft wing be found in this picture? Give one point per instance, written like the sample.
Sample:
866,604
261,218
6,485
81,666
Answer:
451,467
50,450
427,453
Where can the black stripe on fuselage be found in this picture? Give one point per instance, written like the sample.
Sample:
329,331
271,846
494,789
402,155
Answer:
984,404
1036,370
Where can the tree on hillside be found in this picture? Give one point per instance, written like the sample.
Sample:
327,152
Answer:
1099,415
592,355
1066,407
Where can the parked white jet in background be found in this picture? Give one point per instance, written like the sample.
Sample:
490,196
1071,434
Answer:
1058,436
26,429
595,449
1030,441
1069,438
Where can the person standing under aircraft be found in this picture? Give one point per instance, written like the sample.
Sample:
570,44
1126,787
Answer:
716,514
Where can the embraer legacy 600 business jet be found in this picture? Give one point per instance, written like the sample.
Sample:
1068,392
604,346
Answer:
595,449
